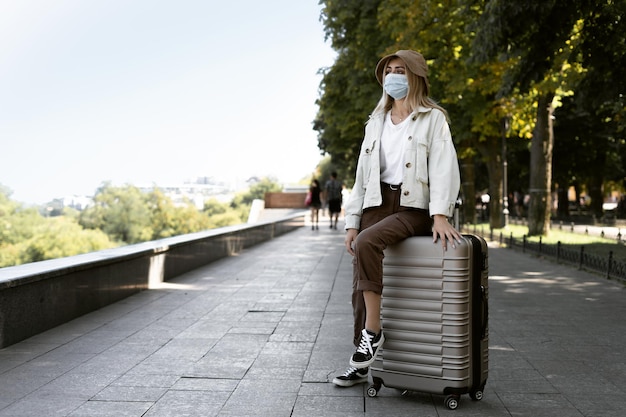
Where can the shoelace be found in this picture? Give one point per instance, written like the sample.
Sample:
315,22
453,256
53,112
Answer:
350,372
365,346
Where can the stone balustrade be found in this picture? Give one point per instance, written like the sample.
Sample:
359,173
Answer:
38,296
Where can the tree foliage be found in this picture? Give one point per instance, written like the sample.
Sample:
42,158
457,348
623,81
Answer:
59,237
120,212
256,191
494,64
119,216
350,89
26,236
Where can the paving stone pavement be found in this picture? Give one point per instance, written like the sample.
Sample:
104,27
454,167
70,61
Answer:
263,334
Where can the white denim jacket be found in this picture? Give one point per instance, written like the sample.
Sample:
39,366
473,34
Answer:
431,178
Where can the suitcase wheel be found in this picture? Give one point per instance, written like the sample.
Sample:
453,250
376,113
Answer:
373,389
452,401
476,395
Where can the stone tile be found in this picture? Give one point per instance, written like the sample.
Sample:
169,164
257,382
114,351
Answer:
330,405
189,403
53,364
216,369
41,405
253,411
147,381
205,384
111,409
321,389
129,394
77,386
16,385
279,401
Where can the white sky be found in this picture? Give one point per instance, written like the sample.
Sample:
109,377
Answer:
156,92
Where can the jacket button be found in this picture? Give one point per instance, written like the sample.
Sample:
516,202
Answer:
367,151
410,137
408,165
406,193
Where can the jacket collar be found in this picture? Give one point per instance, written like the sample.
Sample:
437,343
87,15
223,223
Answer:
420,109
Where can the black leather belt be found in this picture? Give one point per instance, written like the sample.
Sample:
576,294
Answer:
392,187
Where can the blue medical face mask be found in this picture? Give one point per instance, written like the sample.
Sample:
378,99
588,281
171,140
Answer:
396,85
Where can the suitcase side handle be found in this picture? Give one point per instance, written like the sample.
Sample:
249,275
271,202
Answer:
485,315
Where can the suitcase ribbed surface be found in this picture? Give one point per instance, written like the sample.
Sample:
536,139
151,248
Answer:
427,317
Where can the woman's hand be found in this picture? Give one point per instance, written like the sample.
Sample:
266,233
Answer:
444,230
350,238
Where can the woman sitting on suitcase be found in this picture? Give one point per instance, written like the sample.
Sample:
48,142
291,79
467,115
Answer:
407,182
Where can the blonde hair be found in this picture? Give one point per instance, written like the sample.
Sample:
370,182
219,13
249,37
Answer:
417,96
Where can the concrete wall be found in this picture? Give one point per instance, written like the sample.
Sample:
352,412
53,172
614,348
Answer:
38,296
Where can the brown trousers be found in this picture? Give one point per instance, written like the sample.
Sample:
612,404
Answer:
381,226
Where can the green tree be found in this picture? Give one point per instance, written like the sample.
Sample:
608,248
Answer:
221,214
466,89
539,39
120,215
26,236
120,212
213,207
256,191
439,32
600,95
350,89
190,220
242,202
162,214
17,223
59,237
494,63
325,168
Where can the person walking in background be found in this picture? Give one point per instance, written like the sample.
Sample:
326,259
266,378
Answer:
334,198
316,203
407,183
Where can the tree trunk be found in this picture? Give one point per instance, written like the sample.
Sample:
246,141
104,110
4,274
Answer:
595,184
495,191
491,151
468,191
563,203
541,168
596,194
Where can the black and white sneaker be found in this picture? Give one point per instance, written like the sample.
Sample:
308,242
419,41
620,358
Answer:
366,352
351,377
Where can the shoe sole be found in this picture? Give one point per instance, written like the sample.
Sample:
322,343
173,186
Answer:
342,383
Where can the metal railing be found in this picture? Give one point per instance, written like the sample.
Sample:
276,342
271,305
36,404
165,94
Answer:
606,266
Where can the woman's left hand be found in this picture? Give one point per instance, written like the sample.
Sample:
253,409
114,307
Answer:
444,230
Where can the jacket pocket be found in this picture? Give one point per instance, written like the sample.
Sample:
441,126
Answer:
366,163
421,160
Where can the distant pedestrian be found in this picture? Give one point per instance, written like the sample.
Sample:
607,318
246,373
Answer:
316,203
334,198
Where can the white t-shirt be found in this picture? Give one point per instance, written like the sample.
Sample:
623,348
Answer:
392,143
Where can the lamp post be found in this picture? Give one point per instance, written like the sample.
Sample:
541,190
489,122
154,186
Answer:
505,191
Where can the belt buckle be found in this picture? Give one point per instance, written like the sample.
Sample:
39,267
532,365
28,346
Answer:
394,187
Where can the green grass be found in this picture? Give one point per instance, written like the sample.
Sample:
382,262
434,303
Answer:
595,245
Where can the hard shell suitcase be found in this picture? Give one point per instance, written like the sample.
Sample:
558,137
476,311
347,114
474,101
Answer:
435,319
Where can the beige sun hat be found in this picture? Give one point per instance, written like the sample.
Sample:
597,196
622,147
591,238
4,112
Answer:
414,61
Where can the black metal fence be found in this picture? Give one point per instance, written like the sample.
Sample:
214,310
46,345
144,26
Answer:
607,266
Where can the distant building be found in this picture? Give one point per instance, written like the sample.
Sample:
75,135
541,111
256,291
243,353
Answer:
197,192
77,202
